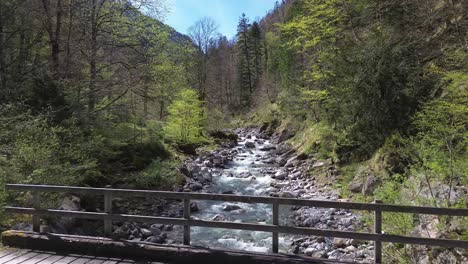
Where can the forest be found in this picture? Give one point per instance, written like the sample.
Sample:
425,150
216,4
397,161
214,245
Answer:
102,93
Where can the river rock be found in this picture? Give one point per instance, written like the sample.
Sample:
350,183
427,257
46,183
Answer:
267,147
250,144
356,242
146,232
119,232
282,135
206,175
231,207
350,248
194,207
281,162
309,251
339,242
319,254
281,174
155,239
218,217
208,163
346,222
286,194
191,169
195,186
219,162
311,221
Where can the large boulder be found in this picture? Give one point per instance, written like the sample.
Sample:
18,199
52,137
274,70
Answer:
231,207
282,135
364,181
355,186
370,185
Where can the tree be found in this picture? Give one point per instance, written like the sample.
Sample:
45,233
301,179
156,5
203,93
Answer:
202,34
256,47
245,70
185,117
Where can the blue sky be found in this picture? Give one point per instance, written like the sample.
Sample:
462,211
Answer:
183,13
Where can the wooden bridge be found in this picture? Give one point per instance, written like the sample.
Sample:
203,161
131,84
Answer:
184,253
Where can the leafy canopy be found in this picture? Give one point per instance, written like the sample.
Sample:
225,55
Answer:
185,118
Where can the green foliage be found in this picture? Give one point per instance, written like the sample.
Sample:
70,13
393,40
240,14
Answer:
160,174
442,139
185,118
215,120
36,152
316,138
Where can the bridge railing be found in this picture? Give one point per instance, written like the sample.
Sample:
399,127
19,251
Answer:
275,228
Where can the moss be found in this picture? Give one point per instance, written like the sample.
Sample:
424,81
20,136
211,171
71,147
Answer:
314,138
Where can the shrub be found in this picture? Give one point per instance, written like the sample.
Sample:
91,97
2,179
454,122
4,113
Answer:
161,174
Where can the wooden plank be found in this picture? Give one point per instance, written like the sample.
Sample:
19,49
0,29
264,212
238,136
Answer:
275,223
245,199
52,259
7,251
378,230
65,260
97,216
81,260
187,226
15,254
22,258
108,210
37,205
37,259
97,261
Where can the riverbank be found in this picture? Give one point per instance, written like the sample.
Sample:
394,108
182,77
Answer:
254,164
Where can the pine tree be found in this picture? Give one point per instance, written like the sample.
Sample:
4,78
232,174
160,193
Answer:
256,48
245,73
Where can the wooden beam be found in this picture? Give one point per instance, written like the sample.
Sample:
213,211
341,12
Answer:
245,199
247,226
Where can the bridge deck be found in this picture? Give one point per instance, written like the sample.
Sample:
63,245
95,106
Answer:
26,256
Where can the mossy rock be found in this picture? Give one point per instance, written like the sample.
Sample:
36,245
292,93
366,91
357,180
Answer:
224,135
188,148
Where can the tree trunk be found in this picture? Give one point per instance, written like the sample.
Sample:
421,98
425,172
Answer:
54,35
2,57
56,41
69,34
92,60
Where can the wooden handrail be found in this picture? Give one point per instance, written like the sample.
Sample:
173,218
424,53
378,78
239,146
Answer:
274,228
246,199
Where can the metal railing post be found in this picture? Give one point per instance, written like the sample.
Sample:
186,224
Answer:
187,217
108,210
36,219
275,222
378,230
